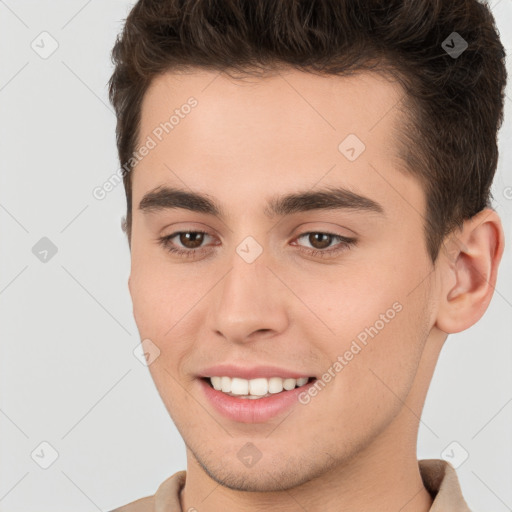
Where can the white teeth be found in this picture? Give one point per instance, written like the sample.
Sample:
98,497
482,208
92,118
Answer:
289,384
241,387
216,382
255,388
225,384
275,385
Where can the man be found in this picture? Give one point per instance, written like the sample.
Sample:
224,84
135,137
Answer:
308,217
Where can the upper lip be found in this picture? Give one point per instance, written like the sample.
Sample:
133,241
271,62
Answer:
253,372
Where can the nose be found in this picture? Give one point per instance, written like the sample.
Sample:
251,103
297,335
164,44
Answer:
250,302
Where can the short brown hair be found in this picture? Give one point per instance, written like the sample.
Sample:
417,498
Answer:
454,103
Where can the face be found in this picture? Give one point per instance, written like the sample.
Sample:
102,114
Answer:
336,284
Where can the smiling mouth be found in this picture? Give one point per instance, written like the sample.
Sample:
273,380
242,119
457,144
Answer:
209,383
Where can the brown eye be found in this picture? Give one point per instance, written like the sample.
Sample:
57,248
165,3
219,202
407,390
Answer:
320,240
186,243
320,243
190,243
191,239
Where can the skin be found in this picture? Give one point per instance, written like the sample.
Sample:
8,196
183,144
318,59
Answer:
354,444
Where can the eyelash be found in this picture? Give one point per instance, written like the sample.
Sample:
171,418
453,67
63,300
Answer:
345,244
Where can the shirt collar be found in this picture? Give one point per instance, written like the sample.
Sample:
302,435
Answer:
440,480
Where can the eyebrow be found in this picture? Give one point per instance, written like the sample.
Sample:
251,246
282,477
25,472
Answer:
331,198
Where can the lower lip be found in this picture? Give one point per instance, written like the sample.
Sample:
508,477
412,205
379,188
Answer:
246,410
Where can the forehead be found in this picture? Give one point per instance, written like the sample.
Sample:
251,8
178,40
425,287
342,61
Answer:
290,100
286,128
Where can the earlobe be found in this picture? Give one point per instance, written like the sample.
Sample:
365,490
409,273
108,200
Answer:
469,270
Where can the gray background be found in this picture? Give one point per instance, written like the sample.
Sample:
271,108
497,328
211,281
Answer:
68,373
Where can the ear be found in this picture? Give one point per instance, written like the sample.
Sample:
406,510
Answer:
468,271
124,225
124,228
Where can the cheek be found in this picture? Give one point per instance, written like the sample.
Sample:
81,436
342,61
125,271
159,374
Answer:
368,328
161,293
344,300
375,318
